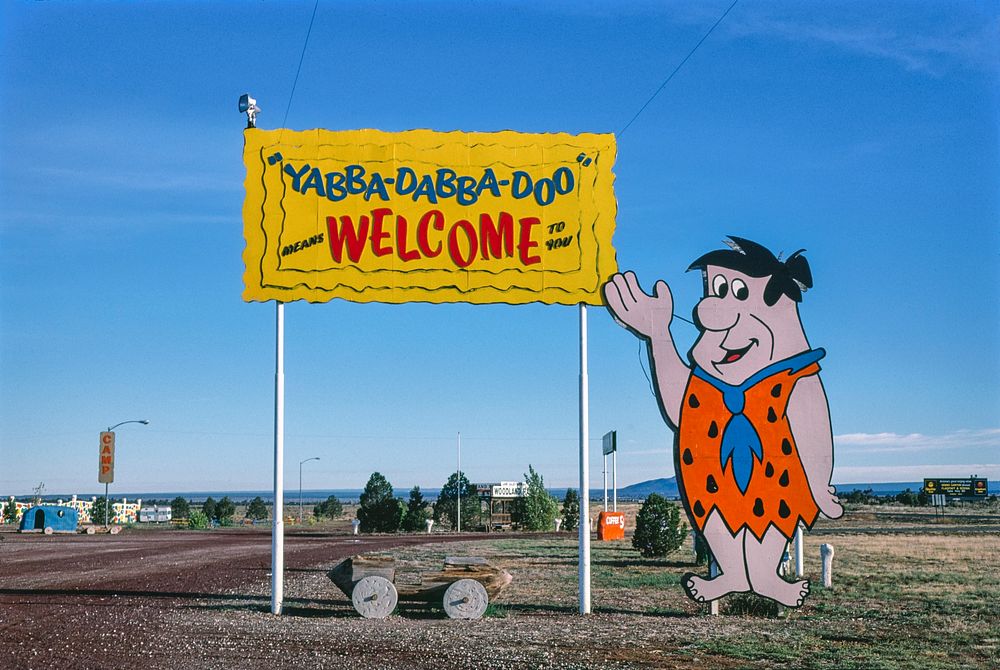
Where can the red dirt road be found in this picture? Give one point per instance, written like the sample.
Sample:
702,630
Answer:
98,601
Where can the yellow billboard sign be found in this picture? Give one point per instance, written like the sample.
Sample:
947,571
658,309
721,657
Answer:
424,216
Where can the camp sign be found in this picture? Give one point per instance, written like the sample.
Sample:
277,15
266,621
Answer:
106,455
425,216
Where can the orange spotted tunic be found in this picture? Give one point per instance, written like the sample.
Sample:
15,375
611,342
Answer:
778,493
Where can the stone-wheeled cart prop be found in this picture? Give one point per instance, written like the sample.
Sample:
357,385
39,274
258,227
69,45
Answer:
464,587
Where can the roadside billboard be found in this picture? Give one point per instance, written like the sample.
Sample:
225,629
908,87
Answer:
425,216
970,488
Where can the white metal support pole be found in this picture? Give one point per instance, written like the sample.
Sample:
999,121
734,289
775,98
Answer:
799,559
614,480
713,572
459,510
278,526
605,482
584,469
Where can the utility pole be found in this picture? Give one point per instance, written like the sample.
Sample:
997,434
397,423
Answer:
459,511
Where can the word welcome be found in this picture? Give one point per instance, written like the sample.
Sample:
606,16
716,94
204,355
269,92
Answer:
445,183
490,239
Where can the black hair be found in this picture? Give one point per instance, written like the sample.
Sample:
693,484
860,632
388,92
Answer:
789,277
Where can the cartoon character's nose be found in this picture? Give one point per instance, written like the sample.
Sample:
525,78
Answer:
714,314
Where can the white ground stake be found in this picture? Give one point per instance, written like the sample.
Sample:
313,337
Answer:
826,555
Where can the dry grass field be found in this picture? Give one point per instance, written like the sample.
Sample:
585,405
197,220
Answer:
902,600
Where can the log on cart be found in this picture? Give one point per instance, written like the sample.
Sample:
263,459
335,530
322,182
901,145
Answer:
464,587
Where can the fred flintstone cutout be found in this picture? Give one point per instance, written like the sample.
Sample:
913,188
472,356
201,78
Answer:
754,447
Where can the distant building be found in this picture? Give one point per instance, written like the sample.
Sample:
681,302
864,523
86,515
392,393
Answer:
121,512
497,501
155,514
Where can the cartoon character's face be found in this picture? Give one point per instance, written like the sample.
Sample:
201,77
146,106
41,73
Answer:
740,333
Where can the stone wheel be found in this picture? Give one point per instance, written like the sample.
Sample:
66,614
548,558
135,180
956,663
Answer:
48,530
115,530
466,599
91,530
374,597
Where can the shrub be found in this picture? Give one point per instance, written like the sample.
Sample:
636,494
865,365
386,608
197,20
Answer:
330,508
97,511
224,511
10,511
197,520
416,511
180,508
446,506
257,510
537,510
571,510
658,527
379,512
208,508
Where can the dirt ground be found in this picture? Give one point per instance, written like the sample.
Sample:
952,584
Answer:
183,599
170,598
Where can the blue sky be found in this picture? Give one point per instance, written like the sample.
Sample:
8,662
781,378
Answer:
866,135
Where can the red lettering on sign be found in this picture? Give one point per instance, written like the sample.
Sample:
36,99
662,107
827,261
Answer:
346,233
422,241
497,239
404,253
453,248
525,244
377,233
490,239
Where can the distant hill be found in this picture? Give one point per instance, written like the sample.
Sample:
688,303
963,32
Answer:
665,487
668,488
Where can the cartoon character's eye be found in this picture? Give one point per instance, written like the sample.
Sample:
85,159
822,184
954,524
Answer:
719,286
740,290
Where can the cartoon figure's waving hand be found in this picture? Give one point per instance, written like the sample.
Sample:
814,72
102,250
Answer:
646,315
649,317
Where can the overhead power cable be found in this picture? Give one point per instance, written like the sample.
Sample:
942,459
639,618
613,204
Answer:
302,57
678,68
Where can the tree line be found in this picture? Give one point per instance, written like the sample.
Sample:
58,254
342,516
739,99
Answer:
380,511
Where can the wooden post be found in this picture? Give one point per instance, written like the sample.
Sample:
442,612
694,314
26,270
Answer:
826,555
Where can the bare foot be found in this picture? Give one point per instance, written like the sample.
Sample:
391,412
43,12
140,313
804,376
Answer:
829,503
705,590
789,594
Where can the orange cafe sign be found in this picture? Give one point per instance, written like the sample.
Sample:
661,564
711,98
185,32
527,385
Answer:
425,216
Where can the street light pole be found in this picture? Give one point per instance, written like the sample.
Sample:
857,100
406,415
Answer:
459,510
107,504
314,458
